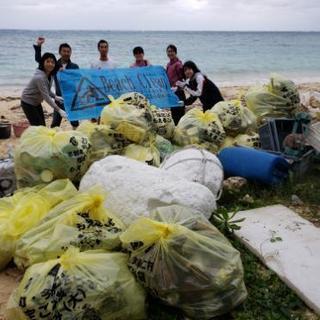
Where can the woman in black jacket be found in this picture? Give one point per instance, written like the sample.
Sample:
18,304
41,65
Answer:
199,86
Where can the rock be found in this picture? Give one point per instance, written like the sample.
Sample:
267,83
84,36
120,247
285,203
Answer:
134,189
234,183
247,199
197,165
295,200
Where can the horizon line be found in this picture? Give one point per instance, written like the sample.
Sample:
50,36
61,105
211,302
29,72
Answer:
138,30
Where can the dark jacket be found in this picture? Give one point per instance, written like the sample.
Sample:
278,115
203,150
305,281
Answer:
70,65
210,94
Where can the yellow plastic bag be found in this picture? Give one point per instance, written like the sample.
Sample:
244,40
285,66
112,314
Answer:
132,121
251,139
197,127
81,222
234,117
44,155
103,139
135,99
24,210
79,285
147,153
163,122
197,271
280,98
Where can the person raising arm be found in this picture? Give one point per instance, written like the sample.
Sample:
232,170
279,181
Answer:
64,63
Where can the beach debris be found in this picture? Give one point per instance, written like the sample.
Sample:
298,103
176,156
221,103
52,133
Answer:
279,98
196,270
200,128
163,122
296,201
134,189
81,222
234,184
197,165
44,155
247,199
234,117
8,183
133,121
23,211
91,285
288,245
255,165
313,135
104,141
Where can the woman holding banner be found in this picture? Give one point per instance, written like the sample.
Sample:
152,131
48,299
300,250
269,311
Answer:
39,89
175,73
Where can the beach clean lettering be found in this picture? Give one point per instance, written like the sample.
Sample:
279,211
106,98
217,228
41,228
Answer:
86,91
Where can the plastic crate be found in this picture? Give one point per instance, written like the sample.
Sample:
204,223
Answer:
299,165
274,131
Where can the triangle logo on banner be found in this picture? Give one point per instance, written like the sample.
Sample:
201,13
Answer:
88,95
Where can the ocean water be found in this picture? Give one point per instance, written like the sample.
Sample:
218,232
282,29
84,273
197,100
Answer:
228,58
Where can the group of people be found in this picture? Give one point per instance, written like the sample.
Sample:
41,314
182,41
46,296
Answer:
183,78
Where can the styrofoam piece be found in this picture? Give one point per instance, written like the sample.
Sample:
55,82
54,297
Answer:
134,189
197,165
287,244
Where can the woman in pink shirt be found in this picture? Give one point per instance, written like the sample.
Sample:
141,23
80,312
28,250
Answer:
175,73
140,61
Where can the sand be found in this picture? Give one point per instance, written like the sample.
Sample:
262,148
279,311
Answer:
9,281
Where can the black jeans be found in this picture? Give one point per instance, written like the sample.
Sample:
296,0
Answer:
34,114
56,120
178,112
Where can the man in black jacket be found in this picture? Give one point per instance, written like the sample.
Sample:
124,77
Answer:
64,62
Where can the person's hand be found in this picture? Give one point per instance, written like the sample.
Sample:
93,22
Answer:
58,99
40,41
180,84
62,113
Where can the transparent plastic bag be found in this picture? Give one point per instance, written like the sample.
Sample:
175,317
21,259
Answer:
197,271
44,155
79,285
81,222
147,153
163,122
280,98
133,122
103,139
199,128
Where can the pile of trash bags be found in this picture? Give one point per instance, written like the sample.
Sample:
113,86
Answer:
95,253
175,255
184,261
118,211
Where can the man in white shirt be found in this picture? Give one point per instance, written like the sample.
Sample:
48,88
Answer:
104,61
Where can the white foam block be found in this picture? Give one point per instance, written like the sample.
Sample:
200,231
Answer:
135,189
287,244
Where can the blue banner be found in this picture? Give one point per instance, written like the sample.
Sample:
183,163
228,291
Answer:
85,91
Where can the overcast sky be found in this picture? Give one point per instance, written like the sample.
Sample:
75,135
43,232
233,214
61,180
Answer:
161,14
